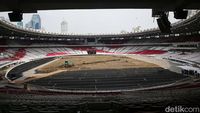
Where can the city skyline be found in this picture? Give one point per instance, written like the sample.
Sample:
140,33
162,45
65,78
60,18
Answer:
35,22
96,21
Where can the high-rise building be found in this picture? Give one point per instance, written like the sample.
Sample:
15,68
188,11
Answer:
64,27
28,25
192,12
35,22
20,24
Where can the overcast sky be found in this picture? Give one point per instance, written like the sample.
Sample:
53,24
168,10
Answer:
95,21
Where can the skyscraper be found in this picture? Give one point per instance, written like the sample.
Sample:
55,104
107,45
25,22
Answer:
192,12
35,22
28,25
64,27
20,24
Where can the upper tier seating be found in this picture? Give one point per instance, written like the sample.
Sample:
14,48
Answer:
148,52
8,55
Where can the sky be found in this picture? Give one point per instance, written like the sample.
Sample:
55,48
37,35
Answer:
97,21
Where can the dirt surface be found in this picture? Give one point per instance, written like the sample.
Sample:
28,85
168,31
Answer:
95,62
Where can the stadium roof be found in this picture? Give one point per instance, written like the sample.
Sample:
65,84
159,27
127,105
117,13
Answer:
34,5
181,28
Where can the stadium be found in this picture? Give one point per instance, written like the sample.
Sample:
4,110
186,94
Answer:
140,72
